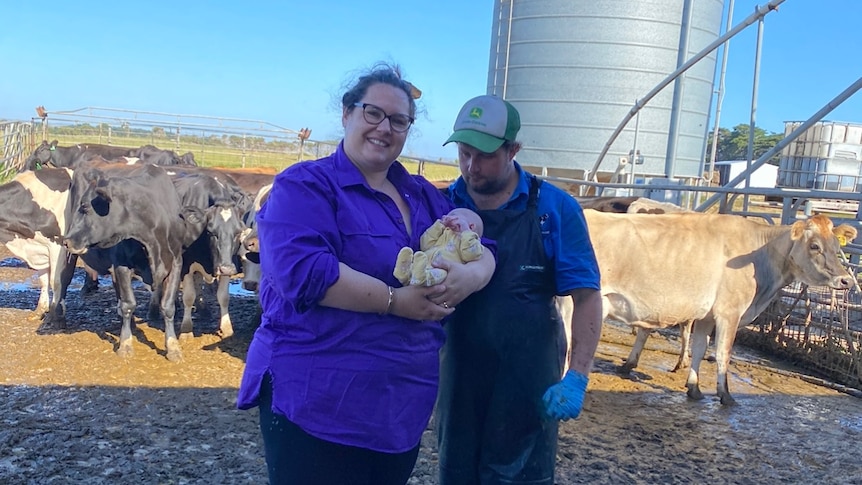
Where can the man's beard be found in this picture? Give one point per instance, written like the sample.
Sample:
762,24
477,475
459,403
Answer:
486,186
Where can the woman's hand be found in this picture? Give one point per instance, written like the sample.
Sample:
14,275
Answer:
463,280
414,302
359,292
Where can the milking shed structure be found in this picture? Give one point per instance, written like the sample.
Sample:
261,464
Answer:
616,98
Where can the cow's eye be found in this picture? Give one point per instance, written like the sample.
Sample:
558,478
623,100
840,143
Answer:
84,209
101,206
814,247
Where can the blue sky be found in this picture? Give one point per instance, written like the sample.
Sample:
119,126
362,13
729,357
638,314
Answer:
287,62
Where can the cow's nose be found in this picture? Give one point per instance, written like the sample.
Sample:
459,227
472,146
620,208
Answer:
226,270
845,282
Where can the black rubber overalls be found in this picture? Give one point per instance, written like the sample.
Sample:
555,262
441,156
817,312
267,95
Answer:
503,350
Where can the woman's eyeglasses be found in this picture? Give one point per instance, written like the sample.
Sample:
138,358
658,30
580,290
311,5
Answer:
374,115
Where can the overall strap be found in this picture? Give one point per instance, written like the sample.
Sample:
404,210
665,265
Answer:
533,201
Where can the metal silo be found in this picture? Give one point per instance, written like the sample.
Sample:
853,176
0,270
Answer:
574,69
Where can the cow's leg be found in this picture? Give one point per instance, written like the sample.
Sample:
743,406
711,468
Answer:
125,307
44,302
725,332
63,270
685,346
698,349
169,306
635,354
56,266
223,295
91,281
154,310
203,289
190,293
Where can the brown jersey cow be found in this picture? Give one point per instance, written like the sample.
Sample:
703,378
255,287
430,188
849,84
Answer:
721,271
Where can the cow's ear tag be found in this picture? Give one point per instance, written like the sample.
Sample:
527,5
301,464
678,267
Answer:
38,165
53,148
842,241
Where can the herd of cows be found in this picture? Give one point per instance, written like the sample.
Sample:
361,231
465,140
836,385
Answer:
152,214
144,213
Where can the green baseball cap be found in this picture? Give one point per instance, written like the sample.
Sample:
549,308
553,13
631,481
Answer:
486,122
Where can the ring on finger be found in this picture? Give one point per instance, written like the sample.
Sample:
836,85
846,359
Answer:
445,304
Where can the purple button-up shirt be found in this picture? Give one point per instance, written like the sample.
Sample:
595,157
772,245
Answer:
358,379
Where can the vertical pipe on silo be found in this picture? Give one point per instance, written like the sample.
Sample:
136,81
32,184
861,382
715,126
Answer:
720,98
508,46
754,85
496,45
752,124
678,89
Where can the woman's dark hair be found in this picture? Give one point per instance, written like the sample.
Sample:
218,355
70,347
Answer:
380,74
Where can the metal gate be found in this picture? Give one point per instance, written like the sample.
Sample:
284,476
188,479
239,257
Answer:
16,145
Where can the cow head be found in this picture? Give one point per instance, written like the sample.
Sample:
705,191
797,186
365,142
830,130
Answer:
249,254
96,216
815,252
188,158
251,273
40,157
225,228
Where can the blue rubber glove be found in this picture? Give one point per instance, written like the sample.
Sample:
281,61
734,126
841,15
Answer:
565,399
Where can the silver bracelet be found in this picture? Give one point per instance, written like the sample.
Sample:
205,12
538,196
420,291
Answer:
390,301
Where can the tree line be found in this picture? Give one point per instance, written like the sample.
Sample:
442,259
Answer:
733,143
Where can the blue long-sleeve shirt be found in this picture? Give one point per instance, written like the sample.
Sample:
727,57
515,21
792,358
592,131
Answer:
564,230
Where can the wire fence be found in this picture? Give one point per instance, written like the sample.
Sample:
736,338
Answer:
819,329
214,141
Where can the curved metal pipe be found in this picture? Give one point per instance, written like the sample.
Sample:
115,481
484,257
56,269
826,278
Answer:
856,86
759,12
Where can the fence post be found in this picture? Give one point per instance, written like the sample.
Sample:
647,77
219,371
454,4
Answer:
303,135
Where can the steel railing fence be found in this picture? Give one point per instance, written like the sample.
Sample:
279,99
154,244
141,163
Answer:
214,141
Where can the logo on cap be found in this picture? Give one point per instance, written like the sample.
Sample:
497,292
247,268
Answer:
476,113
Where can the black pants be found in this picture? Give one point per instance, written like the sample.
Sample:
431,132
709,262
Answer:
295,457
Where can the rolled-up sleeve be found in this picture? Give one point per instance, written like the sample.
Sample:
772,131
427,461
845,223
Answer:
299,238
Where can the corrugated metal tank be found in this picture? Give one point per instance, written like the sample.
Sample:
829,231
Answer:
574,69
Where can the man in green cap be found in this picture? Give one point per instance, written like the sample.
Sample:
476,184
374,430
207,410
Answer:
501,391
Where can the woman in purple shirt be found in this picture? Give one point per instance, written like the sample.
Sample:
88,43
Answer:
344,365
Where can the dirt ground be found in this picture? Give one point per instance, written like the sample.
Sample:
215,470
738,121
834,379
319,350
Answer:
71,411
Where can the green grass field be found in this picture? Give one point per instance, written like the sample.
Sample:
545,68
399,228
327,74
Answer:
221,155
